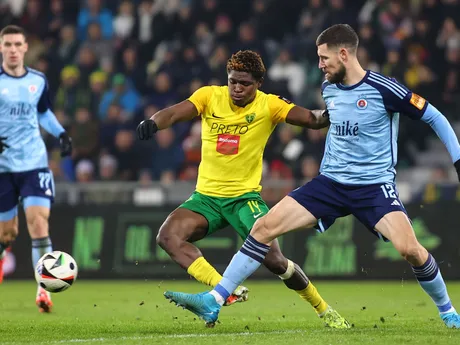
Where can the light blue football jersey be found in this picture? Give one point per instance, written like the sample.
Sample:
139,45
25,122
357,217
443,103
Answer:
22,99
361,145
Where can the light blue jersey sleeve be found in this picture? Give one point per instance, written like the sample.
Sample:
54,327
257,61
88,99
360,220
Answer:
46,117
398,99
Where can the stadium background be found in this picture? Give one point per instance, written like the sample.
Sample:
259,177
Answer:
111,64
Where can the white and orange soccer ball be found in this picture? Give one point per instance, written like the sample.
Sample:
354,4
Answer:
56,271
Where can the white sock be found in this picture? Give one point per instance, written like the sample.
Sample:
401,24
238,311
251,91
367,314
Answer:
219,298
451,310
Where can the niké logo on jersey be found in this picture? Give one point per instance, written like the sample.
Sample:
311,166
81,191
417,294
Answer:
21,109
346,129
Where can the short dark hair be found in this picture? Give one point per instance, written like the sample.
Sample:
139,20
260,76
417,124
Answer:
247,61
12,29
339,35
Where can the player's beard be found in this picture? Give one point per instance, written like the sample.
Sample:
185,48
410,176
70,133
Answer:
339,76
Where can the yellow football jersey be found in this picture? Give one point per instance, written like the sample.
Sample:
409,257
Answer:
234,139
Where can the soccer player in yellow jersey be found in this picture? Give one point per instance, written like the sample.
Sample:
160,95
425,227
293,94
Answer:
237,121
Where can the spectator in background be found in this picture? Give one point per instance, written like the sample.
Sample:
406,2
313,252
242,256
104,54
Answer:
127,155
131,67
84,171
369,40
97,85
111,124
122,93
365,60
85,136
150,28
108,166
71,93
203,39
184,23
394,67
68,45
163,93
192,145
309,169
247,39
87,64
218,64
314,145
395,25
100,46
34,19
95,13
223,30
193,66
56,20
284,69
281,181
125,20
168,157
206,11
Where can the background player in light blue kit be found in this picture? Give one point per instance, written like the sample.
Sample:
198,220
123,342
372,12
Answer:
24,173
357,175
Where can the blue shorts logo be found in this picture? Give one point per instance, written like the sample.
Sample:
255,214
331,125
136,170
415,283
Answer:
361,104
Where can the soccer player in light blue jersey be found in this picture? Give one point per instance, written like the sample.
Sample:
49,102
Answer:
24,173
357,176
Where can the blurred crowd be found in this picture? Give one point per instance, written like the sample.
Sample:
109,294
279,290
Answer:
112,63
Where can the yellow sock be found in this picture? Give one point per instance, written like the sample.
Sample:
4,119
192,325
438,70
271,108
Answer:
312,296
202,271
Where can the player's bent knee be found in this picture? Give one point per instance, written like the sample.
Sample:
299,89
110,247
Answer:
413,252
264,230
164,237
168,236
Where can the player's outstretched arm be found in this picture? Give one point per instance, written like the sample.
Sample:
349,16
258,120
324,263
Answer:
445,132
183,111
303,117
50,123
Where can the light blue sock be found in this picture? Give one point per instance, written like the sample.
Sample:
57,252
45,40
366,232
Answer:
244,263
40,246
430,279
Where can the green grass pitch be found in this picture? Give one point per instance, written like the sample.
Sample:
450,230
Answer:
135,312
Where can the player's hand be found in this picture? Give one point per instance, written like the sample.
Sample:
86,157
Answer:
65,142
146,129
457,167
3,145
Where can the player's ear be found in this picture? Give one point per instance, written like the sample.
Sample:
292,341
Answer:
260,82
343,54
26,46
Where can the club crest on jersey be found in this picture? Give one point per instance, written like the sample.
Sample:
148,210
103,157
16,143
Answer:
32,88
250,117
361,103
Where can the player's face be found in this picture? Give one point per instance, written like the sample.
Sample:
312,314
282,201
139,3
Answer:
242,87
330,62
13,47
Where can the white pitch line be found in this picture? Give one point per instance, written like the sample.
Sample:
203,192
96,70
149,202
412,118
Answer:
165,336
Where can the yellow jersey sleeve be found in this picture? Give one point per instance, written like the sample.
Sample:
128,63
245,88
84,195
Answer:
279,108
201,98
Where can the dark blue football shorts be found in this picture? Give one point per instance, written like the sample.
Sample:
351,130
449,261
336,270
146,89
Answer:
328,200
32,188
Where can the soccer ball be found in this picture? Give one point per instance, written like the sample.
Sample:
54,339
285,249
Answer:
56,271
